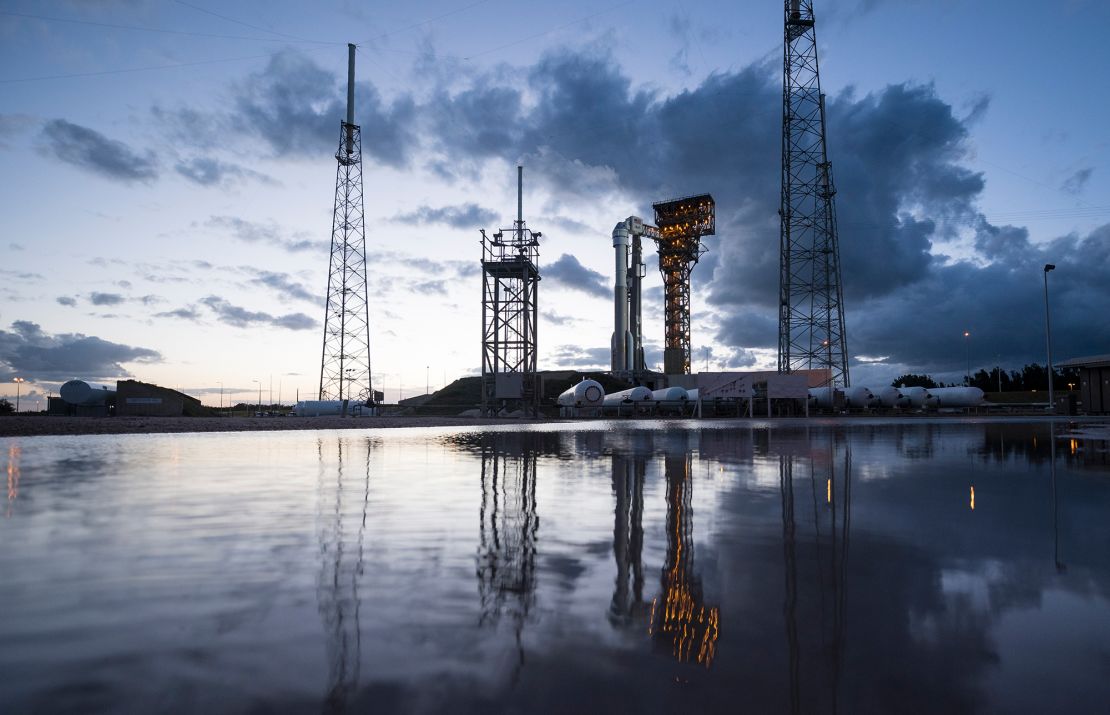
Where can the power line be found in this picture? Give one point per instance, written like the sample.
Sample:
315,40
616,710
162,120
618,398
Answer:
247,24
548,32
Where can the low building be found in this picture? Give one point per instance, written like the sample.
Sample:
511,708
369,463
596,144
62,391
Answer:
1094,382
141,399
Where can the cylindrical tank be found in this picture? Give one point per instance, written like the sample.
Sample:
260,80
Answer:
669,394
823,397
918,396
859,397
587,393
621,334
318,408
633,394
79,392
957,396
692,395
890,397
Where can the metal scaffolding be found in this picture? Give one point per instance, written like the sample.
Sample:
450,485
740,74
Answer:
345,358
681,224
510,311
811,303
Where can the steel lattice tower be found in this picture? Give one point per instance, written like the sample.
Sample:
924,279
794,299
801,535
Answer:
510,312
345,361
681,223
811,303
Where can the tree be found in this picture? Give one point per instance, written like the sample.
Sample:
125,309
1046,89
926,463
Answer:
6,408
911,380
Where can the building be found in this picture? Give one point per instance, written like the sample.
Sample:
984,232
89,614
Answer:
141,399
1094,382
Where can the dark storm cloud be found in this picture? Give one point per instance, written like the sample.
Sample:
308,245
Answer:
66,300
208,171
240,317
29,352
285,286
464,216
1075,183
576,357
189,313
105,298
268,233
569,273
89,149
296,107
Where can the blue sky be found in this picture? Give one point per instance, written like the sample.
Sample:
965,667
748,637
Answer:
169,178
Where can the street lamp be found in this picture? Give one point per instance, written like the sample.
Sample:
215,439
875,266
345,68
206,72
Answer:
18,381
1048,334
967,352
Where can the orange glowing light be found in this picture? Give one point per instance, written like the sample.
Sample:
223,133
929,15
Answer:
973,498
828,491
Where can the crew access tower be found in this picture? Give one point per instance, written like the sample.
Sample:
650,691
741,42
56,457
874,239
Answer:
811,303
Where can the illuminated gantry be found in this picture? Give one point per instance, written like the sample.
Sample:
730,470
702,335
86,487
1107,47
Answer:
681,224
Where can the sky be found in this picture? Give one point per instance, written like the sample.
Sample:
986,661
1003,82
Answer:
169,174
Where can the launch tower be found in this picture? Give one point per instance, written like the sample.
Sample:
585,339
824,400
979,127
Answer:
345,360
510,278
811,304
681,224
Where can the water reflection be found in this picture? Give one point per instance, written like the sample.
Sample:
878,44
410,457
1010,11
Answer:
508,525
343,497
629,471
13,476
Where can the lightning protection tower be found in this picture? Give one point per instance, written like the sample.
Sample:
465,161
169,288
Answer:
510,277
345,361
811,304
681,224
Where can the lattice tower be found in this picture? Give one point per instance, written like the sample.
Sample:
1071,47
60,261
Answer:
681,224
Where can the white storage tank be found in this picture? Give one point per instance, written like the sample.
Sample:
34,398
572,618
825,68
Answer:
587,393
670,394
890,397
957,396
613,402
859,397
79,392
918,396
318,408
823,397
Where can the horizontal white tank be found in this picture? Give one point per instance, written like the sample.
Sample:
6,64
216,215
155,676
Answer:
890,397
79,392
957,396
692,395
633,394
918,396
670,394
859,397
823,397
587,393
318,408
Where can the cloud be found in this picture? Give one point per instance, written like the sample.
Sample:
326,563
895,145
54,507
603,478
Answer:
240,317
208,171
267,233
12,125
29,352
105,298
569,273
188,313
1075,183
66,300
91,150
285,286
464,216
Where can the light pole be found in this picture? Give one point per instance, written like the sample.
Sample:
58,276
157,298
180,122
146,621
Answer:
18,381
967,354
1048,334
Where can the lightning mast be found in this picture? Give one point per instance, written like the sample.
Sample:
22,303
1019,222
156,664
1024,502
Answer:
345,359
811,303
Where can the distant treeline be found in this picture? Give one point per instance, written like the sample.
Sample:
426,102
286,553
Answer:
1030,377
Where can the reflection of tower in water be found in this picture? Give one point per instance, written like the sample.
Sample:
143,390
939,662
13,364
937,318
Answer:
506,561
819,601
341,526
628,538
679,618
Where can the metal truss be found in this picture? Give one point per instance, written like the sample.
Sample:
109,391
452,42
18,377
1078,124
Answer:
681,224
345,360
811,303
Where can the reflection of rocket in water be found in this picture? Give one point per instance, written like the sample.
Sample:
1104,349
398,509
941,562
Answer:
679,619
628,538
506,560
341,531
